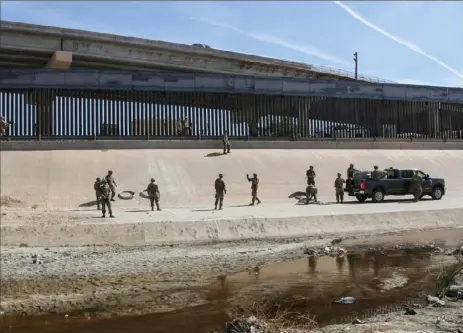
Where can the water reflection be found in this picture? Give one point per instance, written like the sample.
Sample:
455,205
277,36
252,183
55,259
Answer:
318,280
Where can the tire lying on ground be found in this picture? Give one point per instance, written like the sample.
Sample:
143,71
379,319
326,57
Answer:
144,194
126,195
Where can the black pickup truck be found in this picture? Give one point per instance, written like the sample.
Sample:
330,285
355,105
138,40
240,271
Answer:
396,183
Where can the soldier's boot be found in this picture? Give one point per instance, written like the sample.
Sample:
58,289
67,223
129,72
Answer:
152,208
258,201
220,207
157,207
104,215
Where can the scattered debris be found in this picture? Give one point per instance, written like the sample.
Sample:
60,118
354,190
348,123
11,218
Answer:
435,301
330,251
7,201
455,291
410,312
345,300
336,241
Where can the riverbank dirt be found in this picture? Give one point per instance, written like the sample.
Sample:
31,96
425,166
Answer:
115,280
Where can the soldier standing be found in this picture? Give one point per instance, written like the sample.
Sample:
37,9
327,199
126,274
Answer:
3,126
339,187
112,184
220,191
97,188
311,192
417,186
310,176
154,194
350,175
105,198
226,143
376,175
254,185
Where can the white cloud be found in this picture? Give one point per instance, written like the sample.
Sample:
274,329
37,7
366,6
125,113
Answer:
275,40
410,45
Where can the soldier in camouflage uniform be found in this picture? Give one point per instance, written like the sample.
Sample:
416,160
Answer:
154,194
220,191
3,126
376,174
417,186
112,184
311,192
106,198
350,175
226,143
254,186
339,187
310,176
97,188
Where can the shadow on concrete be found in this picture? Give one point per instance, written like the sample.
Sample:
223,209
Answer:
215,154
138,211
86,210
88,204
369,201
237,206
203,210
297,195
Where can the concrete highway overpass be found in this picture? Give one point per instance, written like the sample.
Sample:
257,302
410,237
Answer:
36,46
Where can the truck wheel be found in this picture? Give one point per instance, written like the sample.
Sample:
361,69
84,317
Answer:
437,193
361,198
378,195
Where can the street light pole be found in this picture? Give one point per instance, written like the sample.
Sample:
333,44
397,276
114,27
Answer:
356,64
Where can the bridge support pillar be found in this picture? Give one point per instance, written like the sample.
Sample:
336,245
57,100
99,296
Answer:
60,60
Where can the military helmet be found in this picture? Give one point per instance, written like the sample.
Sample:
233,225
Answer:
110,172
220,175
375,167
254,174
98,179
339,174
351,165
152,179
311,167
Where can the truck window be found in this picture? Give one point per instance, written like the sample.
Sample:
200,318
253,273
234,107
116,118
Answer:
421,174
406,173
392,174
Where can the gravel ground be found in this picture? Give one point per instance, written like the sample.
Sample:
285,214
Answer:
436,320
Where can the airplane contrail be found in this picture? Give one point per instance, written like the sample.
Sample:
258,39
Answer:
399,40
303,48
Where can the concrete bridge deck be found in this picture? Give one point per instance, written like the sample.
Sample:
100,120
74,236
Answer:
30,45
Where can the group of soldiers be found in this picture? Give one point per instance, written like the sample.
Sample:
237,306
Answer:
105,191
416,187
221,190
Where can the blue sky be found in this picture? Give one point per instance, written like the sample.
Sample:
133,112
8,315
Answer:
408,42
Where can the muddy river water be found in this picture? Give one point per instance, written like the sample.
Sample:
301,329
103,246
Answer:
380,281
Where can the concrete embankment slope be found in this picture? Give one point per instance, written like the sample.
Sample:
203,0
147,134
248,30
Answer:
64,179
61,184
